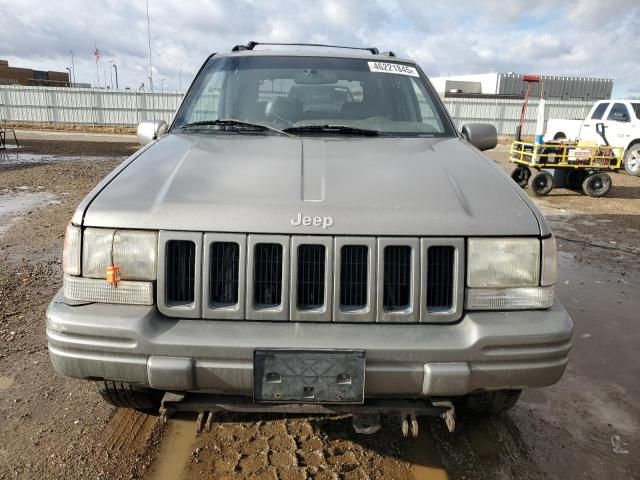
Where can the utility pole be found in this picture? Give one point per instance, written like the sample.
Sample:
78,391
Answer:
162,85
111,73
69,70
150,63
180,77
73,67
149,40
115,67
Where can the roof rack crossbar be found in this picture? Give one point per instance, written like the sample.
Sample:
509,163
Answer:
251,45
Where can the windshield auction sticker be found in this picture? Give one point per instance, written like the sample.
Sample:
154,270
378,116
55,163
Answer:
397,68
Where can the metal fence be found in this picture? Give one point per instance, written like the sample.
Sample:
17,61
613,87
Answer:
505,113
128,108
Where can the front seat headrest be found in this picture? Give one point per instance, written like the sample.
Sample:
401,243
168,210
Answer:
283,108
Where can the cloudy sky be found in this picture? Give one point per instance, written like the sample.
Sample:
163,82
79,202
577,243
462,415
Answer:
570,37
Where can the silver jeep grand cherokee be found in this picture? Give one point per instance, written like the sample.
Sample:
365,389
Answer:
311,234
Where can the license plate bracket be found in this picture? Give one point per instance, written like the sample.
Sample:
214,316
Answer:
308,376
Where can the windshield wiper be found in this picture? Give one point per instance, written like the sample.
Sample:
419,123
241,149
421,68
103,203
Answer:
232,122
339,129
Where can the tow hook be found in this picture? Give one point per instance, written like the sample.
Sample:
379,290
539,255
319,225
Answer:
202,424
449,415
409,425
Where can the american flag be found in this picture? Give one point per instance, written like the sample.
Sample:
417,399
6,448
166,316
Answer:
97,54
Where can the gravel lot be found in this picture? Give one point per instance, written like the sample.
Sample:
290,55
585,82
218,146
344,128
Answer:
53,427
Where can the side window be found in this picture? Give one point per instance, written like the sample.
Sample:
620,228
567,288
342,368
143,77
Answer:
426,107
599,111
206,107
619,113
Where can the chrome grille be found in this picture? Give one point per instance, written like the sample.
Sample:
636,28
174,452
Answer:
397,278
180,272
224,273
440,278
267,275
310,278
354,277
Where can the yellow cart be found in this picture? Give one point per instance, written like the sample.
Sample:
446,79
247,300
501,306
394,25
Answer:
586,166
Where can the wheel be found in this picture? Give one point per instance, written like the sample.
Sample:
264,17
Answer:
632,160
559,136
575,179
597,185
521,175
541,183
125,395
487,403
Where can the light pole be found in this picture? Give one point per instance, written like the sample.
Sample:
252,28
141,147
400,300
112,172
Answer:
69,70
115,67
162,85
150,83
180,77
149,41
73,67
111,74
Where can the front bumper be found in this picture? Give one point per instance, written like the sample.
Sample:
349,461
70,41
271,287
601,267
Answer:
137,344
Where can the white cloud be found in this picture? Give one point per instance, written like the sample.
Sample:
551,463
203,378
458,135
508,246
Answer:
580,37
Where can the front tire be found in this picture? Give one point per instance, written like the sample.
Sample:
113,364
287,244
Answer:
487,403
541,183
521,175
126,395
597,185
632,160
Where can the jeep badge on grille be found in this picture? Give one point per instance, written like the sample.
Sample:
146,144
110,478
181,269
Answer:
324,222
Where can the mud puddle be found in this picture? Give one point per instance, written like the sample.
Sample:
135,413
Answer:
13,207
423,456
16,157
179,439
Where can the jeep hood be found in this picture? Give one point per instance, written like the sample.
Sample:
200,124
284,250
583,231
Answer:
368,186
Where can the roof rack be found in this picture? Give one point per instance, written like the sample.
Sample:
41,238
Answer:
251,45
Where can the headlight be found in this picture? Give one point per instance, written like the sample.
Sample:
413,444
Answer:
510,273
503,262
135,252
71,250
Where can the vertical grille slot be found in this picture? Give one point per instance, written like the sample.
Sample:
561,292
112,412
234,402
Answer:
440,278
224,274
311,277
397,278
180,272
267,275
354,278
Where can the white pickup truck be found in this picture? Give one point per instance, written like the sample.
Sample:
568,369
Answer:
621,119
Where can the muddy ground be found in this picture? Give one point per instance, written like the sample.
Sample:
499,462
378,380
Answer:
587,426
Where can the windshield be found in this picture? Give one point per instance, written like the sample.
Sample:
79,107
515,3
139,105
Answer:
288,92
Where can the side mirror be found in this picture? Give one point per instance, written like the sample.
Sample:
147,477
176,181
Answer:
149,130
483,136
